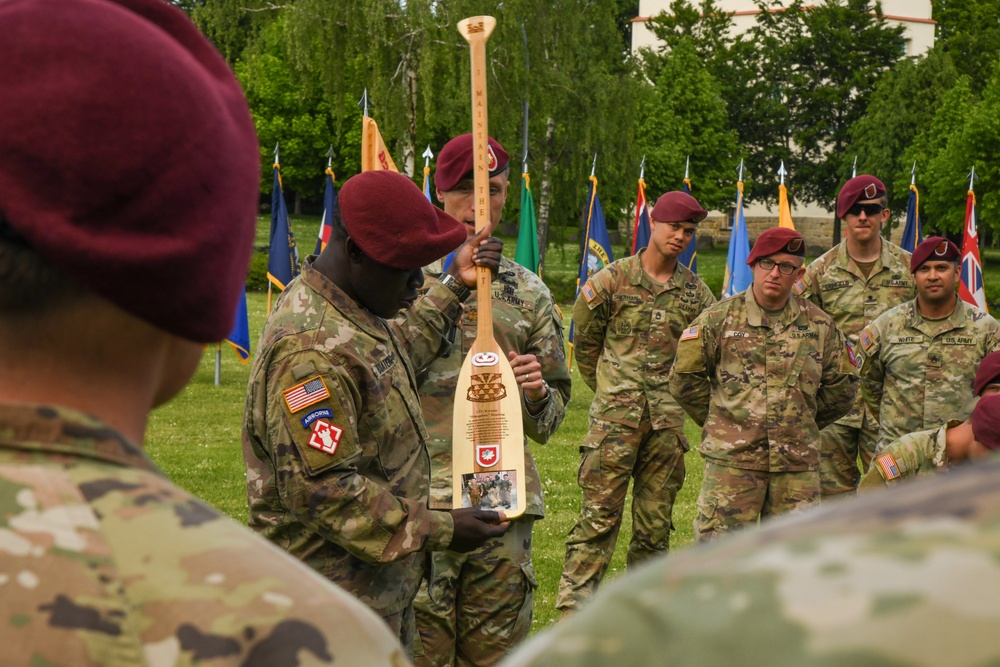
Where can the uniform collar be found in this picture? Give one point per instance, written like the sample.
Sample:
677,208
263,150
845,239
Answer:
353,311
758,317
50,429
845,260
640,277
957,320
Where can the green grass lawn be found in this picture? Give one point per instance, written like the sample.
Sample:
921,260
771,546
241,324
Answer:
196,438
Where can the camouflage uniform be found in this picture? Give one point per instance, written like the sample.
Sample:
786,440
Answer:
909,578
103,561
626,331
914,454
352,505
763,386
836,284
917,373
496,581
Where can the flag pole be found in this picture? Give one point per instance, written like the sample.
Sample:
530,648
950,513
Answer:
218,364
854,169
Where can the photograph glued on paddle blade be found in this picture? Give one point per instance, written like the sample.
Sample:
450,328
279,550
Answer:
491,490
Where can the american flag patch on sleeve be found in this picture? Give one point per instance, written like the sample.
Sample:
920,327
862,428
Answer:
887,464
303,395
690,333
799,286
866,339
588,291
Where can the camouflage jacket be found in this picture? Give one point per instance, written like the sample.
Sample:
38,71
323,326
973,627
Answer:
914,454
334,443
763,386
917,373
626,328
836,284
908,577
525,320
104,562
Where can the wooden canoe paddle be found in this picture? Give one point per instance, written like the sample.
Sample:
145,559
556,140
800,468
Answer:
488,435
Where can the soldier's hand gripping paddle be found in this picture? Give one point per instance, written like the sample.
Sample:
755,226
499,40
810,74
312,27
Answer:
488,437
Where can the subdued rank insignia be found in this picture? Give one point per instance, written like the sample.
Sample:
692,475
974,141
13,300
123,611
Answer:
690,333
799,287
887,464
588,291
303,395
866,339
325,436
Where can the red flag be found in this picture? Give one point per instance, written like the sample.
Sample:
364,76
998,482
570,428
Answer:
970,287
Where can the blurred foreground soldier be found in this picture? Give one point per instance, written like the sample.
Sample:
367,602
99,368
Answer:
478,606
937,449
854,282
763,372
128,192
335,447
920,358
628,319
987,380
908,577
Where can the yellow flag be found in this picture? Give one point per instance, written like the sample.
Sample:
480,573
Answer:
374,154
784,212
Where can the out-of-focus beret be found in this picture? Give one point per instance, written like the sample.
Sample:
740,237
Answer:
129,158
391,220
988,372
678,207
856,189
455,161
986,421
936,248
775,240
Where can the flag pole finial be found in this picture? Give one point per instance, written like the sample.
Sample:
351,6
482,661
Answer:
427,155
782,172
740,179
913,173
364,102
276,160
854,169
687,166
642,168
972,177
593,167
329,156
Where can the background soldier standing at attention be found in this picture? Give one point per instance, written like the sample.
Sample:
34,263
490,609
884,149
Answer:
628,318
854,282
763,372
112,280
333,439
919,358
478,605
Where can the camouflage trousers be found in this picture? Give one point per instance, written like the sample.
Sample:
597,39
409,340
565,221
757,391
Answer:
402,625
731,497
611,456
840,448
477,606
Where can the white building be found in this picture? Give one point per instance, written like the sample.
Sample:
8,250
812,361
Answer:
918,30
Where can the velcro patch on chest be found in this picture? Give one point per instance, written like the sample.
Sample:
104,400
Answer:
307,393
384,365
735,334
839,284
959,340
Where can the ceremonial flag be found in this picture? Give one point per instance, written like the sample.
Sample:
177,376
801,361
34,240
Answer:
784,210
595,251
689,257
527,233
738,275
640,230
913,233
374,154
283,255
329,201
970,287
239,337
427,183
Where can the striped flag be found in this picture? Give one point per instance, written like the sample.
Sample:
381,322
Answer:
329,201
970,287
640,230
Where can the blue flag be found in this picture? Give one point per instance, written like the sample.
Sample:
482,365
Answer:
427,183
738,274
595,251
283,256
239,337
689,257
913,233
641,231
329,201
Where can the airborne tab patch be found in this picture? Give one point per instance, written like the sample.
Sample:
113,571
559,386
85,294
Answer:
887,464
303,395
690,333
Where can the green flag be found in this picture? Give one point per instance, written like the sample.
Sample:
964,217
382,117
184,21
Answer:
527,236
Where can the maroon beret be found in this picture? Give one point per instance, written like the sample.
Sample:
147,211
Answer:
455,161
856,189
986,421
775,240
678,207
391,220
130,159
988,371
936,248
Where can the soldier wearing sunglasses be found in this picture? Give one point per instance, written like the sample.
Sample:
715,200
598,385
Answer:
854,282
